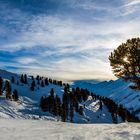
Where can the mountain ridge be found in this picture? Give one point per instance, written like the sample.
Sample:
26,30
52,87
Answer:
118,90
28,106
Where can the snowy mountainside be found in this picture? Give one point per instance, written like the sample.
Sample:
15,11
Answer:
27,107
118,90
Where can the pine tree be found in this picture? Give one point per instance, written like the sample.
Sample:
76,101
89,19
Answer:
52,102
80,110
50,80
78,94
63,113
71,112
25,79
8,89
46,82
122,113
52,92
114,117
1,85
22,79
57,106
42,83
66,100
32,85
101,105
37,77
45,103
15,95
125,61
41,102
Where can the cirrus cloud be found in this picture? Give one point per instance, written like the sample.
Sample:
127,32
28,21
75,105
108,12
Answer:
64,42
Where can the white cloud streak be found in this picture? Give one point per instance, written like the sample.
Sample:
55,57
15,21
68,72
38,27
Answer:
72,49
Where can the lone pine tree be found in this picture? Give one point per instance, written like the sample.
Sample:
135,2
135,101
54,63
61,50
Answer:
125,61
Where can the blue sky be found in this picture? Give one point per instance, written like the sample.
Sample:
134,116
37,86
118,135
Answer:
66,39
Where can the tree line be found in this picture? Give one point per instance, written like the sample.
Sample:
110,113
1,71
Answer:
71,100
66,107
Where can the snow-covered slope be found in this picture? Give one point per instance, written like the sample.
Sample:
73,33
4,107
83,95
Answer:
48,130
28,105
118,90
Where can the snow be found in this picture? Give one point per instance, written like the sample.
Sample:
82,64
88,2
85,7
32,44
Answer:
24,120
118,90
50,130
28,105
93,114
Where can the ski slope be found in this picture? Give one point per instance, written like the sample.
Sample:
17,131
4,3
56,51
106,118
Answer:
50,130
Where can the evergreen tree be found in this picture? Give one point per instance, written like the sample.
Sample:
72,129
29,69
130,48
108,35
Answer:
122,113
60,83
114,117
1,85
63,113
32,85
57,106
71,112
38,79
46,82
78,94
15,95
25,79
52,102
50,80
80,110
22,79
125,61
52,92
65,100
42,83
8,89
44,103
101,105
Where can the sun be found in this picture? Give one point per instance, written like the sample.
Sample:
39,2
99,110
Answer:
125,59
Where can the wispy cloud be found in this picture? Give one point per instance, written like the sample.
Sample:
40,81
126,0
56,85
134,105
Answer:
60,44
132,2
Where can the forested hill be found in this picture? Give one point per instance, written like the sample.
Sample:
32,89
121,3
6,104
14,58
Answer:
37,97
119,90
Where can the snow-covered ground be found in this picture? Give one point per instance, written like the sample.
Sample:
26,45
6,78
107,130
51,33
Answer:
119,90
28,105
17,119
49,130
